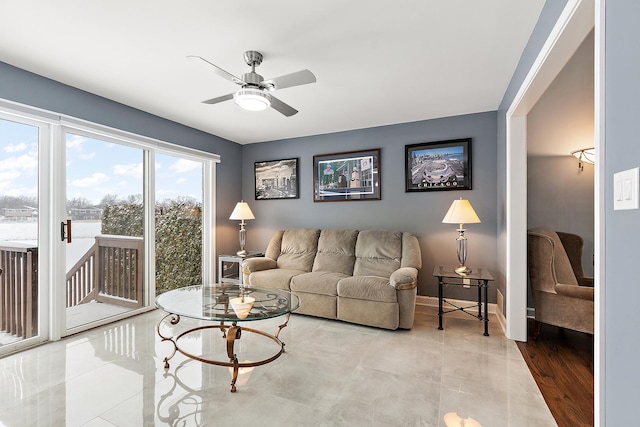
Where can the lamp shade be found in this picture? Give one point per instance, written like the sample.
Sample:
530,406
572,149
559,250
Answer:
461,212
242,211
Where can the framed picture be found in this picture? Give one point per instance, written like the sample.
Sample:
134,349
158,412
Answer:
276,179
349,176
436,166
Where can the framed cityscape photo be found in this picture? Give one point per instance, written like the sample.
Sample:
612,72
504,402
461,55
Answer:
348,176
437,166
276,179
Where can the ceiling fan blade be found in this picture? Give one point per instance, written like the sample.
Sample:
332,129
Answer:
219,71
298,78
281,107
218,99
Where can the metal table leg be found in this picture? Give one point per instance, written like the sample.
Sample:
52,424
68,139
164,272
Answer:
486,310
440,303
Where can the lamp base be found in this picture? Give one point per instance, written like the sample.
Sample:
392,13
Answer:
242,253
463,269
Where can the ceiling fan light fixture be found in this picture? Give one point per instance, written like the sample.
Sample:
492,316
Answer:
252,99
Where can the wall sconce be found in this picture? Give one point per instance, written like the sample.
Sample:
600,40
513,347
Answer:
585,155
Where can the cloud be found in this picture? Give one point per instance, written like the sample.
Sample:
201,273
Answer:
182,166
24,163
9,175
11,148
75,140
132,169
91,181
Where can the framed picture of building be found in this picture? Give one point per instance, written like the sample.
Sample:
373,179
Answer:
276,179
438,166
348,176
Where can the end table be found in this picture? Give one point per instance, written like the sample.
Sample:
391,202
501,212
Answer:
478,277
230,267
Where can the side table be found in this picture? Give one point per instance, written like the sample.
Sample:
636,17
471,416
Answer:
230,267
478,277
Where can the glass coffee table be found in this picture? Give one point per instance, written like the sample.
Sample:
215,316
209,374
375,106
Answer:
228,305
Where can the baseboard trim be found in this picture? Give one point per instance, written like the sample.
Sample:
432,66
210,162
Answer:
433,302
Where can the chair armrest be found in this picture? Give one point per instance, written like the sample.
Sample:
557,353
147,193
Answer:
251,265
573,291
404,278
585,281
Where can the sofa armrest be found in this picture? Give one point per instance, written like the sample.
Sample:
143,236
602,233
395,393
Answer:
404,278
251,265
573,291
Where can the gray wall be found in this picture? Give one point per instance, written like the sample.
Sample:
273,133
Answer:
559,195
30,89
418,213
622,228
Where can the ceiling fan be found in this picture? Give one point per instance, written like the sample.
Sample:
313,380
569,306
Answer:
255,92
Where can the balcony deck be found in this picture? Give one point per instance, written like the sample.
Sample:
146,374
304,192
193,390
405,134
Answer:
83,314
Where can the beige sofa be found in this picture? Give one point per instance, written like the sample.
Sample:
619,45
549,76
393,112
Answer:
367,277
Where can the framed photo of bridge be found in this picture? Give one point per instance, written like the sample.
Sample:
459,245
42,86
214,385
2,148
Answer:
438,166
276,179
348,176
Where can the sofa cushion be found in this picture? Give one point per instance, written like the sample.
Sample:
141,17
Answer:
378,253
317,282
367,288
336,251
279,278
298,249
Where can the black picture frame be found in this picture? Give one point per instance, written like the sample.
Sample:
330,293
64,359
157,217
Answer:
276,179
355,176
438,166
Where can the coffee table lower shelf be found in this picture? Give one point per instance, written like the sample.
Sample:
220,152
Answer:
231,333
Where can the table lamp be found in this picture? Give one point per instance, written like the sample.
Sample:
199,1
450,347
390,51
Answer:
242,212
461,212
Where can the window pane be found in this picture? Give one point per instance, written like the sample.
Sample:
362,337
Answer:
178,222
18,232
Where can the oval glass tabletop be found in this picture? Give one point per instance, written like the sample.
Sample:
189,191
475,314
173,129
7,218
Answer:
228,302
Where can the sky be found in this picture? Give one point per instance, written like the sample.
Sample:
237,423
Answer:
94,169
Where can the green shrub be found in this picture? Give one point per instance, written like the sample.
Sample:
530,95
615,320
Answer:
178,237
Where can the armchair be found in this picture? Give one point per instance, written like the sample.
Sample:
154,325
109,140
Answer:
559,299
573,246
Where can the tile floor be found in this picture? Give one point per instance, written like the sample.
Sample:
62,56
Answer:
332,374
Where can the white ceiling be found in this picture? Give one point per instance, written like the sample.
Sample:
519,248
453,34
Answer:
377,62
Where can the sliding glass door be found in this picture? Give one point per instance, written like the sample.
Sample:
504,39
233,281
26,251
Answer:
104,227
94,223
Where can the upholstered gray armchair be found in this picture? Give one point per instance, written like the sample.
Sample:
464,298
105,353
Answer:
558,297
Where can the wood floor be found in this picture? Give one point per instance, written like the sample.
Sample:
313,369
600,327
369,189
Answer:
561,362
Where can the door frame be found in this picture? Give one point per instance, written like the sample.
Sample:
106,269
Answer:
577,19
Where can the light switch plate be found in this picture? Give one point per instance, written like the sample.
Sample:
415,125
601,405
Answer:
625,189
